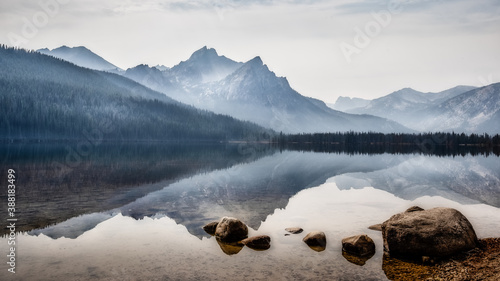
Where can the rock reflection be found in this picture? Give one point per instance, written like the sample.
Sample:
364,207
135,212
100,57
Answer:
355,259
317,248
166,248
230,248
396,269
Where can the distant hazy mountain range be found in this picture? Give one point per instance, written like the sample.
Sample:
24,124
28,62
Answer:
247,91
81,56
42,97
459,109
250,91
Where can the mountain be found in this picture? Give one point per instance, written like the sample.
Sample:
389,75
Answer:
475,111
81,56
255,93
43,97
409,106
179,82
450,93
398,105
204,66
161,67
250,91
347,103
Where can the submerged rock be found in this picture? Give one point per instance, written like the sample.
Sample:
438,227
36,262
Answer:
437,232
211,227
294,230
359,245
261,242
231,230
355,259
316,240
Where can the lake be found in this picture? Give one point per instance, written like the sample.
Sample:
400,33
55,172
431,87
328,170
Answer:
135,211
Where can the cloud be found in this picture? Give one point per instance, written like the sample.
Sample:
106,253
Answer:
430,45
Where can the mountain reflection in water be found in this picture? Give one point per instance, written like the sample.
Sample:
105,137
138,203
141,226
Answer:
137,210
154,247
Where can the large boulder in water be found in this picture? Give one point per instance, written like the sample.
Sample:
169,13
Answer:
437,232
231,230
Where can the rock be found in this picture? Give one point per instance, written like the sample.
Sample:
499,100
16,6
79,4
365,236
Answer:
316,240
211,227
261,242
377,227
231,230
414,209
294,230
359,245
437,232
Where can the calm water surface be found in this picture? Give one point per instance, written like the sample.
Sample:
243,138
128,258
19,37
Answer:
135,212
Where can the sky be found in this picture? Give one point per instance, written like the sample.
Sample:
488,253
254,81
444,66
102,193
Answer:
326,49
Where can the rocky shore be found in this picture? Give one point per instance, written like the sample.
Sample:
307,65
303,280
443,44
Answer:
481,263
434,244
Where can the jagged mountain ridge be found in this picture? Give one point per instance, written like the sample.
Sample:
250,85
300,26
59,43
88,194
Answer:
399,104
255,93
48,98
204,66
206,80
250,91
348,103
477,110
461,109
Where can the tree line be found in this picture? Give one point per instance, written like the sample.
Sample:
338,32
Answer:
436,143
44,98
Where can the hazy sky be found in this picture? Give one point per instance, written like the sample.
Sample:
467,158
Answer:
326,49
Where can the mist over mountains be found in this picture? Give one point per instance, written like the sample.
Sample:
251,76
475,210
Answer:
81,56
251,91
460,109
44,98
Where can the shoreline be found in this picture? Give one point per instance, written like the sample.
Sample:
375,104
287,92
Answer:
480,263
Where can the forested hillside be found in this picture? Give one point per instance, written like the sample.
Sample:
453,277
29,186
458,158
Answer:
42,97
